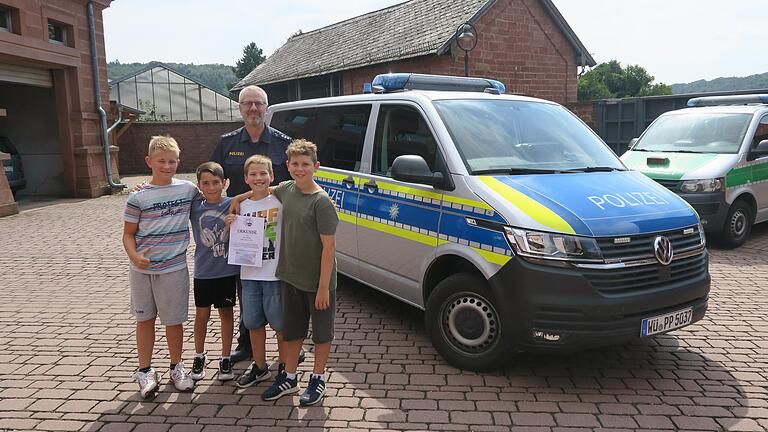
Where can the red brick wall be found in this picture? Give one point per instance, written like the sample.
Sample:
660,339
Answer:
586,112
196,140
518,44
78,121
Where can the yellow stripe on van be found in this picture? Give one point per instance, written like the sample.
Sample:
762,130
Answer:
333,176
409,190
529,206
398,232
491,257
465,201
433,195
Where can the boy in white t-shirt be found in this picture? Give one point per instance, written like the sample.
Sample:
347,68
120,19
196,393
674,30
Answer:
262,292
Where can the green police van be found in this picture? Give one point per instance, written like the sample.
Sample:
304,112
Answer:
713,154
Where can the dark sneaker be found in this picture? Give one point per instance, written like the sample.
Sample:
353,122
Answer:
314,392
225,370
254,375
281,368
198,368
282,386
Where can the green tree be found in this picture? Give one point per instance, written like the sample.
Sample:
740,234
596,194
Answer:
252,57
611,80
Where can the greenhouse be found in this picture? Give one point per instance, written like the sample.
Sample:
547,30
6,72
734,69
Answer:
166,95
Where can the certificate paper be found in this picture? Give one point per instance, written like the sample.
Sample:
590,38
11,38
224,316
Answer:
246,241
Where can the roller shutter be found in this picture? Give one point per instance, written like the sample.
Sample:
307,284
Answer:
26,75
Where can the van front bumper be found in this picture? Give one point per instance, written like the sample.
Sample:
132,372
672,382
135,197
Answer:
559,309
711,208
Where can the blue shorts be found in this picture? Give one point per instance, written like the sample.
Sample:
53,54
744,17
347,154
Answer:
262,303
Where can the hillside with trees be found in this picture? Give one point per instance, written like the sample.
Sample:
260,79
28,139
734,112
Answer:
752,82
218,77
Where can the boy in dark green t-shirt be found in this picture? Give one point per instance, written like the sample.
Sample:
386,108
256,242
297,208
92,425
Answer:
307,267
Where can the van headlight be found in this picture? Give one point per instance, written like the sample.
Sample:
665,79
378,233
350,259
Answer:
703,185
551,246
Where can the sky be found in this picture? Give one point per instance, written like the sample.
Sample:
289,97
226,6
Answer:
677,41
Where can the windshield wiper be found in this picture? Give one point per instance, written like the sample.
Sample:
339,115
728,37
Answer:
595,169
516,171
680,151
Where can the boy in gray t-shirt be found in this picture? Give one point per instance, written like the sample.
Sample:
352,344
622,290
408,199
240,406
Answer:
307,267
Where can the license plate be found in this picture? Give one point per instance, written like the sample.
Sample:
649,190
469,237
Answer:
8,169
664,323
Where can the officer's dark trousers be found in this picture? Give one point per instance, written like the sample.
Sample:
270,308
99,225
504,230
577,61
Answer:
244,338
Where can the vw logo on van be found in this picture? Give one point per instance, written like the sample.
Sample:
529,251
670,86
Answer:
662,248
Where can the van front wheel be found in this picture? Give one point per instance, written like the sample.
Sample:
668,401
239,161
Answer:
738,224
465,324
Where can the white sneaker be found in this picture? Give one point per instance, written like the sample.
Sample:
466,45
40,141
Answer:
180,379
148,382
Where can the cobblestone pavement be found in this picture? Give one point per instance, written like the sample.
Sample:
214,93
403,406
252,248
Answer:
68,354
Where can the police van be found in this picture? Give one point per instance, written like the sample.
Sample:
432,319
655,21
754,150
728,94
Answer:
504,217
714,155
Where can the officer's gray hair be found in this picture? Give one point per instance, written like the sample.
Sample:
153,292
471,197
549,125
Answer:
253,88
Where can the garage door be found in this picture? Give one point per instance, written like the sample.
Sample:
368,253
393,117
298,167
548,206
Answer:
26,75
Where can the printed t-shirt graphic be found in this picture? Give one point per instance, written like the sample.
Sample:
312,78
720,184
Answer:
271,210
211,239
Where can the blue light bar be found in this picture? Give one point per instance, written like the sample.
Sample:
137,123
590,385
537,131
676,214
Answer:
409,81
728,100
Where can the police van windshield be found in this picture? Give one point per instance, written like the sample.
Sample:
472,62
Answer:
523,137
695,133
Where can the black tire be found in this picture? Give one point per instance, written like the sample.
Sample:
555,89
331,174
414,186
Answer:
465,323
738,224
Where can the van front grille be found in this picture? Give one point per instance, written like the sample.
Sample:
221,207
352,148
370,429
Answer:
640,279
640,246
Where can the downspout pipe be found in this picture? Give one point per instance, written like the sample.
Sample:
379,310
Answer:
97,90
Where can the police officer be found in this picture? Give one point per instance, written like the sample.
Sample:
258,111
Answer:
231,152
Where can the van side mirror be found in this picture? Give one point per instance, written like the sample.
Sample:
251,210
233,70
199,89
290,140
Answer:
414,169
761,150
632,143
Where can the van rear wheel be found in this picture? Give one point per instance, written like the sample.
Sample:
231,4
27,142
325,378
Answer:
465,323
738,224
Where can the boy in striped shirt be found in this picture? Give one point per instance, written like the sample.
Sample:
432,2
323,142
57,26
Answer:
155,237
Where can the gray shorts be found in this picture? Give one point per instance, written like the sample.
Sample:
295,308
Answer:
165,295
299,307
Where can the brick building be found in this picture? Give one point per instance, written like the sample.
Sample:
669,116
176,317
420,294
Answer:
526,44
47,92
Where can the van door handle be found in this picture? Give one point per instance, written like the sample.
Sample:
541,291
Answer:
371,185
349,181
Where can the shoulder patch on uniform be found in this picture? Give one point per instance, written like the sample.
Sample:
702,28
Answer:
279,134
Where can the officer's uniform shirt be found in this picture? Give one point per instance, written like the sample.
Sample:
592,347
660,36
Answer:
235,147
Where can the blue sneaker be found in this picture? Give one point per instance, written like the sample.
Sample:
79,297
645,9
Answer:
282,386
314,392
255,375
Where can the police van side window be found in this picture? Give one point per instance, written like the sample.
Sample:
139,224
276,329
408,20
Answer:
401,130
762,131
338,132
